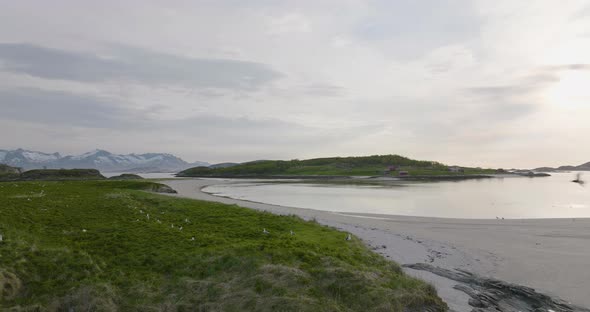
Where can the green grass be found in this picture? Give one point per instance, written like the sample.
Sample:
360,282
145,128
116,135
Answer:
336,166
89,246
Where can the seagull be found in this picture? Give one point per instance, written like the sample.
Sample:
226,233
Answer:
193,238
1,238
171,226
158,220
186,220
180,228
148,216
84,230
579,179
265,231
140,211
292,233
348,237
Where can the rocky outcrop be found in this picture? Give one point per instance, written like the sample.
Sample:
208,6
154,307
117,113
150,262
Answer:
488,294
126,176
162,188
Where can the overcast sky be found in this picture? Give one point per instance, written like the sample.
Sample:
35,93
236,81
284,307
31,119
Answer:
483,83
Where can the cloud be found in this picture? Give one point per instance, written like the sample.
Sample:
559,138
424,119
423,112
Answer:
57,108
415,27
537,80
426,78
108,123
133,64
289,23
60,108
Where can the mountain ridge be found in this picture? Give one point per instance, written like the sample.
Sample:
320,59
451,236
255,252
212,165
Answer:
97,159
582,167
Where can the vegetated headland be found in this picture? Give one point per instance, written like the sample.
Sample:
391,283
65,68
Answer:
8,173
110,245
338,167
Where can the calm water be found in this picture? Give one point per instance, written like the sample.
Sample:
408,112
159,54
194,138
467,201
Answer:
512,197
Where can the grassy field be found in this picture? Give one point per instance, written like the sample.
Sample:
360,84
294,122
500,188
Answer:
91,246
377,165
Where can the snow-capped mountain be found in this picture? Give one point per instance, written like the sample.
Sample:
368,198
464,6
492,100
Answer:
27,159
97,159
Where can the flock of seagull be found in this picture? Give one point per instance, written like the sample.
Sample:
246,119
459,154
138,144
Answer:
186,220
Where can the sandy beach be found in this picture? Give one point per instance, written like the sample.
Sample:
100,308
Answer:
549,255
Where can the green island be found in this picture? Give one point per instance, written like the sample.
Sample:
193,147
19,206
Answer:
8,173
112,246
377,165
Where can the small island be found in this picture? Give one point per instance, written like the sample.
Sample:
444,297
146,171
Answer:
378,166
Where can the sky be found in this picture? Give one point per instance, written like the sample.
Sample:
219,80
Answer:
474,83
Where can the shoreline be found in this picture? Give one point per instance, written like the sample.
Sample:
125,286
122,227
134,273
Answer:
458,177
550,255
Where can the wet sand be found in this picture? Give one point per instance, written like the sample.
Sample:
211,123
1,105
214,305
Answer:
549,255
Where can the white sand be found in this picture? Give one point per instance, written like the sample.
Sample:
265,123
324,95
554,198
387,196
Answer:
550,255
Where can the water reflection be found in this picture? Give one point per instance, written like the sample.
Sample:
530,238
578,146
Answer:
510,198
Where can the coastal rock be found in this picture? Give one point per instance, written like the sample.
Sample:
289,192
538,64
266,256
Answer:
488,294
162,188
126,176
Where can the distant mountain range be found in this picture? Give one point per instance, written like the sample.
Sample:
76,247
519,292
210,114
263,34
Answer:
97,159
582,167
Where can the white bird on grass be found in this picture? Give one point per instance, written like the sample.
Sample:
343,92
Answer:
193,238
171,226
292,233
84,230
158,220
180,228
348,237
186,220
264,231
1,238
148,216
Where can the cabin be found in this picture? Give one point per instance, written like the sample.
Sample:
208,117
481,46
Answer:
456,169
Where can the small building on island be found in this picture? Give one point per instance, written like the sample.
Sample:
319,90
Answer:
456,169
